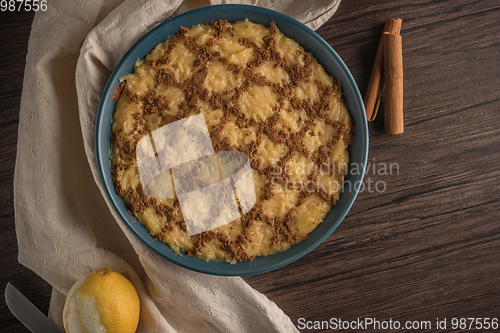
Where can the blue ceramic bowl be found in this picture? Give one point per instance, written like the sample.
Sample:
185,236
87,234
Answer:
311,42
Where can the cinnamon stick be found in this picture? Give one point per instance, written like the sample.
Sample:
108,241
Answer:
393,74
376,84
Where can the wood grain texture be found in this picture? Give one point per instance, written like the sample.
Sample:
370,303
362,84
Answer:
428,245
15,28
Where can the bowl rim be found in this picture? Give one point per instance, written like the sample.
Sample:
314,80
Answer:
102,149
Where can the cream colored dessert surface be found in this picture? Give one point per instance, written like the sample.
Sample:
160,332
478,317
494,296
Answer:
261,94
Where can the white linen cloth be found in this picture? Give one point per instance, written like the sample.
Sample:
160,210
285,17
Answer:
64,226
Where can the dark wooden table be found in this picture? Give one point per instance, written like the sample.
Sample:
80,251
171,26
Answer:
423,245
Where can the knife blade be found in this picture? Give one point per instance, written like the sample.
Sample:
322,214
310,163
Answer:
27,313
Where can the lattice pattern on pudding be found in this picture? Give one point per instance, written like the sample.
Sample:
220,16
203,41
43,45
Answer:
261,94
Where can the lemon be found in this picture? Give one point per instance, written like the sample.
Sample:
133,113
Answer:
104,301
